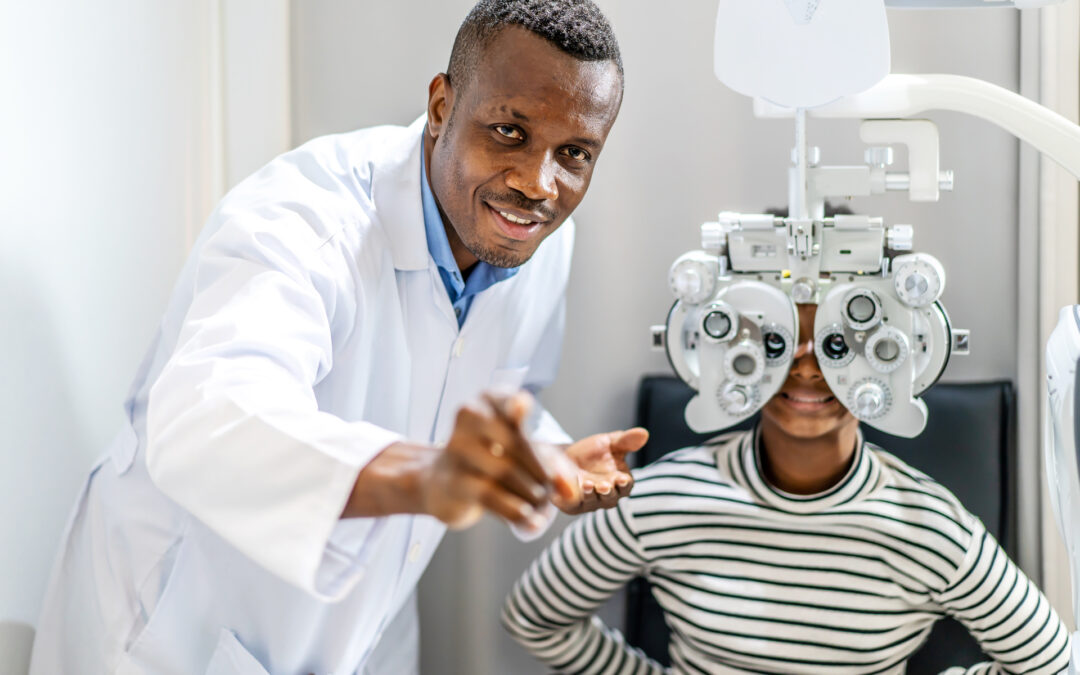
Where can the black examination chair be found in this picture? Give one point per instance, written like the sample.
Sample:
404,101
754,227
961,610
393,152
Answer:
968,446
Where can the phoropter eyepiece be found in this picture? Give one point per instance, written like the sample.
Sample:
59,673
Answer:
834,346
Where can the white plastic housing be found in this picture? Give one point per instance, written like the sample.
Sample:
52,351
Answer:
800,54
904,415
707,364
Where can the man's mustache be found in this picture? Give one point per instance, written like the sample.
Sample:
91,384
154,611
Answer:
514,199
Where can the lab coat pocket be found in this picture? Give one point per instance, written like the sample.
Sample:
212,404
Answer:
230,658
507,380
155,631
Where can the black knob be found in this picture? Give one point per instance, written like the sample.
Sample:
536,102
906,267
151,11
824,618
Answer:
834,346
775,344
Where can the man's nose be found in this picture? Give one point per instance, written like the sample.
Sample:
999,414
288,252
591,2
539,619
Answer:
534,177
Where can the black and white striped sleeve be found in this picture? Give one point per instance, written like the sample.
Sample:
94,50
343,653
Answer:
1005,612
550,610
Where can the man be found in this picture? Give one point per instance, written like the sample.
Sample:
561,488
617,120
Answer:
297,441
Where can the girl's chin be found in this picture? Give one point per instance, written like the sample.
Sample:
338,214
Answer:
805,426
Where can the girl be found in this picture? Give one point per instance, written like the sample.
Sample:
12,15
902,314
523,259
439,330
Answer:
795,548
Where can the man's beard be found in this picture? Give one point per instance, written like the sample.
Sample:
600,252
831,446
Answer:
497,257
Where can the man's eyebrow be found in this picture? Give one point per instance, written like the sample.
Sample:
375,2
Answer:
586,142
580,140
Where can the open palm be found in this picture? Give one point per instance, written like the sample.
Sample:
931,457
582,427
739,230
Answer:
603,474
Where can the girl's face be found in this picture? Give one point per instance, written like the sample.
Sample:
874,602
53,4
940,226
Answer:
805,407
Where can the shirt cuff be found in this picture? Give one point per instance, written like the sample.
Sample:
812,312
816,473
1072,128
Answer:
352,541
544,429
548,513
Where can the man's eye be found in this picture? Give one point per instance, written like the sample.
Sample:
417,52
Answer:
576,154
509,131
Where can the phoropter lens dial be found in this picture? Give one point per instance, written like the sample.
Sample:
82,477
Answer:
835,347
744,363
720,321
862,309
887,349
778,344
831,347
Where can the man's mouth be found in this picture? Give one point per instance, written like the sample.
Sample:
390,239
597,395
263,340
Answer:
518,226
514,219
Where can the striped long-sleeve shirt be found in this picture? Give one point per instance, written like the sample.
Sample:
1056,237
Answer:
754,579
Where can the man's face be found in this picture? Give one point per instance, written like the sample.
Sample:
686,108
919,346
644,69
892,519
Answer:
511,152
805,406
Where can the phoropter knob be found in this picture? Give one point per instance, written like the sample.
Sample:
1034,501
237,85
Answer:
692,279
869,399
879,157
802,291
737,399
713,238
900,237
919,279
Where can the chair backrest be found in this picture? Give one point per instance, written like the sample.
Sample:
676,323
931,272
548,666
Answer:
968,446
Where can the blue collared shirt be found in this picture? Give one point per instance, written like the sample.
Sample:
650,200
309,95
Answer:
460,290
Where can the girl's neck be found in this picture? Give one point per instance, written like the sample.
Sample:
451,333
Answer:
806,466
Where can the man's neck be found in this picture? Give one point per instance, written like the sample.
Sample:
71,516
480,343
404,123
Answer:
806,466
464,258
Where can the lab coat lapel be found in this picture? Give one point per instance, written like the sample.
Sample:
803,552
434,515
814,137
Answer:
395,189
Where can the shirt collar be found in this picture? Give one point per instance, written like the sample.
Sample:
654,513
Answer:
861,479
438,243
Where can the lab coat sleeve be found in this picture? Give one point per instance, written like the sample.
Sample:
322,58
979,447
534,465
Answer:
234,433
542,370
1004,611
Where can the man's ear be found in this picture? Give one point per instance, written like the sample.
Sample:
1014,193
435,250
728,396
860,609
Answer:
440,103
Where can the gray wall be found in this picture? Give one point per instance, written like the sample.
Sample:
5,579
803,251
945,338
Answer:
683,149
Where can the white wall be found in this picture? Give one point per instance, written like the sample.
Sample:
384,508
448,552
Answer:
124,122
102,173
683,148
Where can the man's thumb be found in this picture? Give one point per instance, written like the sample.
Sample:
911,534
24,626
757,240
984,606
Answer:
631,440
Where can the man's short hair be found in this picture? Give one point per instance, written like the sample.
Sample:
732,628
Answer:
577,27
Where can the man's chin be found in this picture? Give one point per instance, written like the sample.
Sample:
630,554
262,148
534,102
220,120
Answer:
500,257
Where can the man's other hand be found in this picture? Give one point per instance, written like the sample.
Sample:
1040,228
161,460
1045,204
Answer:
488,464
603,475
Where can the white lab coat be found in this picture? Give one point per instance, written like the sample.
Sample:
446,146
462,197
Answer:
309,330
